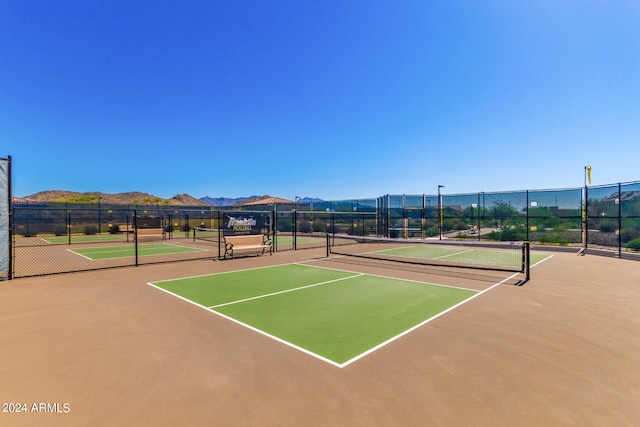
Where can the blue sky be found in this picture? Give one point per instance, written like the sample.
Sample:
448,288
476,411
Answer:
331,99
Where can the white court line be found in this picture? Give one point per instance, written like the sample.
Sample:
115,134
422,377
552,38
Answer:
186,247
115,252
390,340
79,254
225,272
261,332
543,260
384,277
454,254
317,356
285,291
415,256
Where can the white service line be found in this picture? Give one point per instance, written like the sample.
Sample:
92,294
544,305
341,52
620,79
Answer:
285,291
390,340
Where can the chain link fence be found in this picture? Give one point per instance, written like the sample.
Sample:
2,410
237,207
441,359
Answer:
596,216
49,239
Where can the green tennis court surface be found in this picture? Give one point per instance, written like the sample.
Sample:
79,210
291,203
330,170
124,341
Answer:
462,255
288,240
337,316
85,238
108,252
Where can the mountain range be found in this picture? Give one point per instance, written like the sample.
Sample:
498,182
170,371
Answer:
138,198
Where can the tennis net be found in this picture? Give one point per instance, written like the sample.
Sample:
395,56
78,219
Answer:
212,235
504,256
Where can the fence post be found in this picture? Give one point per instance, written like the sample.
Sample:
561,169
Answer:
478,232
527,211
274,226
295,228
328,244
586,216
220,233
527,264
619,220
10,224
135,234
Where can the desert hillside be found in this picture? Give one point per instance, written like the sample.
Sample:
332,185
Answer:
130,198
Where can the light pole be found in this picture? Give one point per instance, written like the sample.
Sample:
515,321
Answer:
440,211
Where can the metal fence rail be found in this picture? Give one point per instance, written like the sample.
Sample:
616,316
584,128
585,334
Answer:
57,238
598,216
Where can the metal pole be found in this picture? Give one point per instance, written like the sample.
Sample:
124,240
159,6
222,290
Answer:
440,211
619,220
483,212
295,229
423,219
527,234
274,228
135,233
388,210
10,214
220,234
586,210
99,215
527,264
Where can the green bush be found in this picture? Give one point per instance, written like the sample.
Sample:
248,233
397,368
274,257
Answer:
114,229
319,226
634,245
508,234
90,230
553,238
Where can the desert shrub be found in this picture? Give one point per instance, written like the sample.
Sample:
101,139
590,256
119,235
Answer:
553,238
634,244
508,234
319,226
114,229
304,227
90,230
607,227
60,230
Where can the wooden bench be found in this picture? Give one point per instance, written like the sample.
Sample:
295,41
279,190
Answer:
150,233
124,228
246,242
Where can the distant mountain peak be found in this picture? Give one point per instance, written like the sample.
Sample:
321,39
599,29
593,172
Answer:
95,197
223,201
